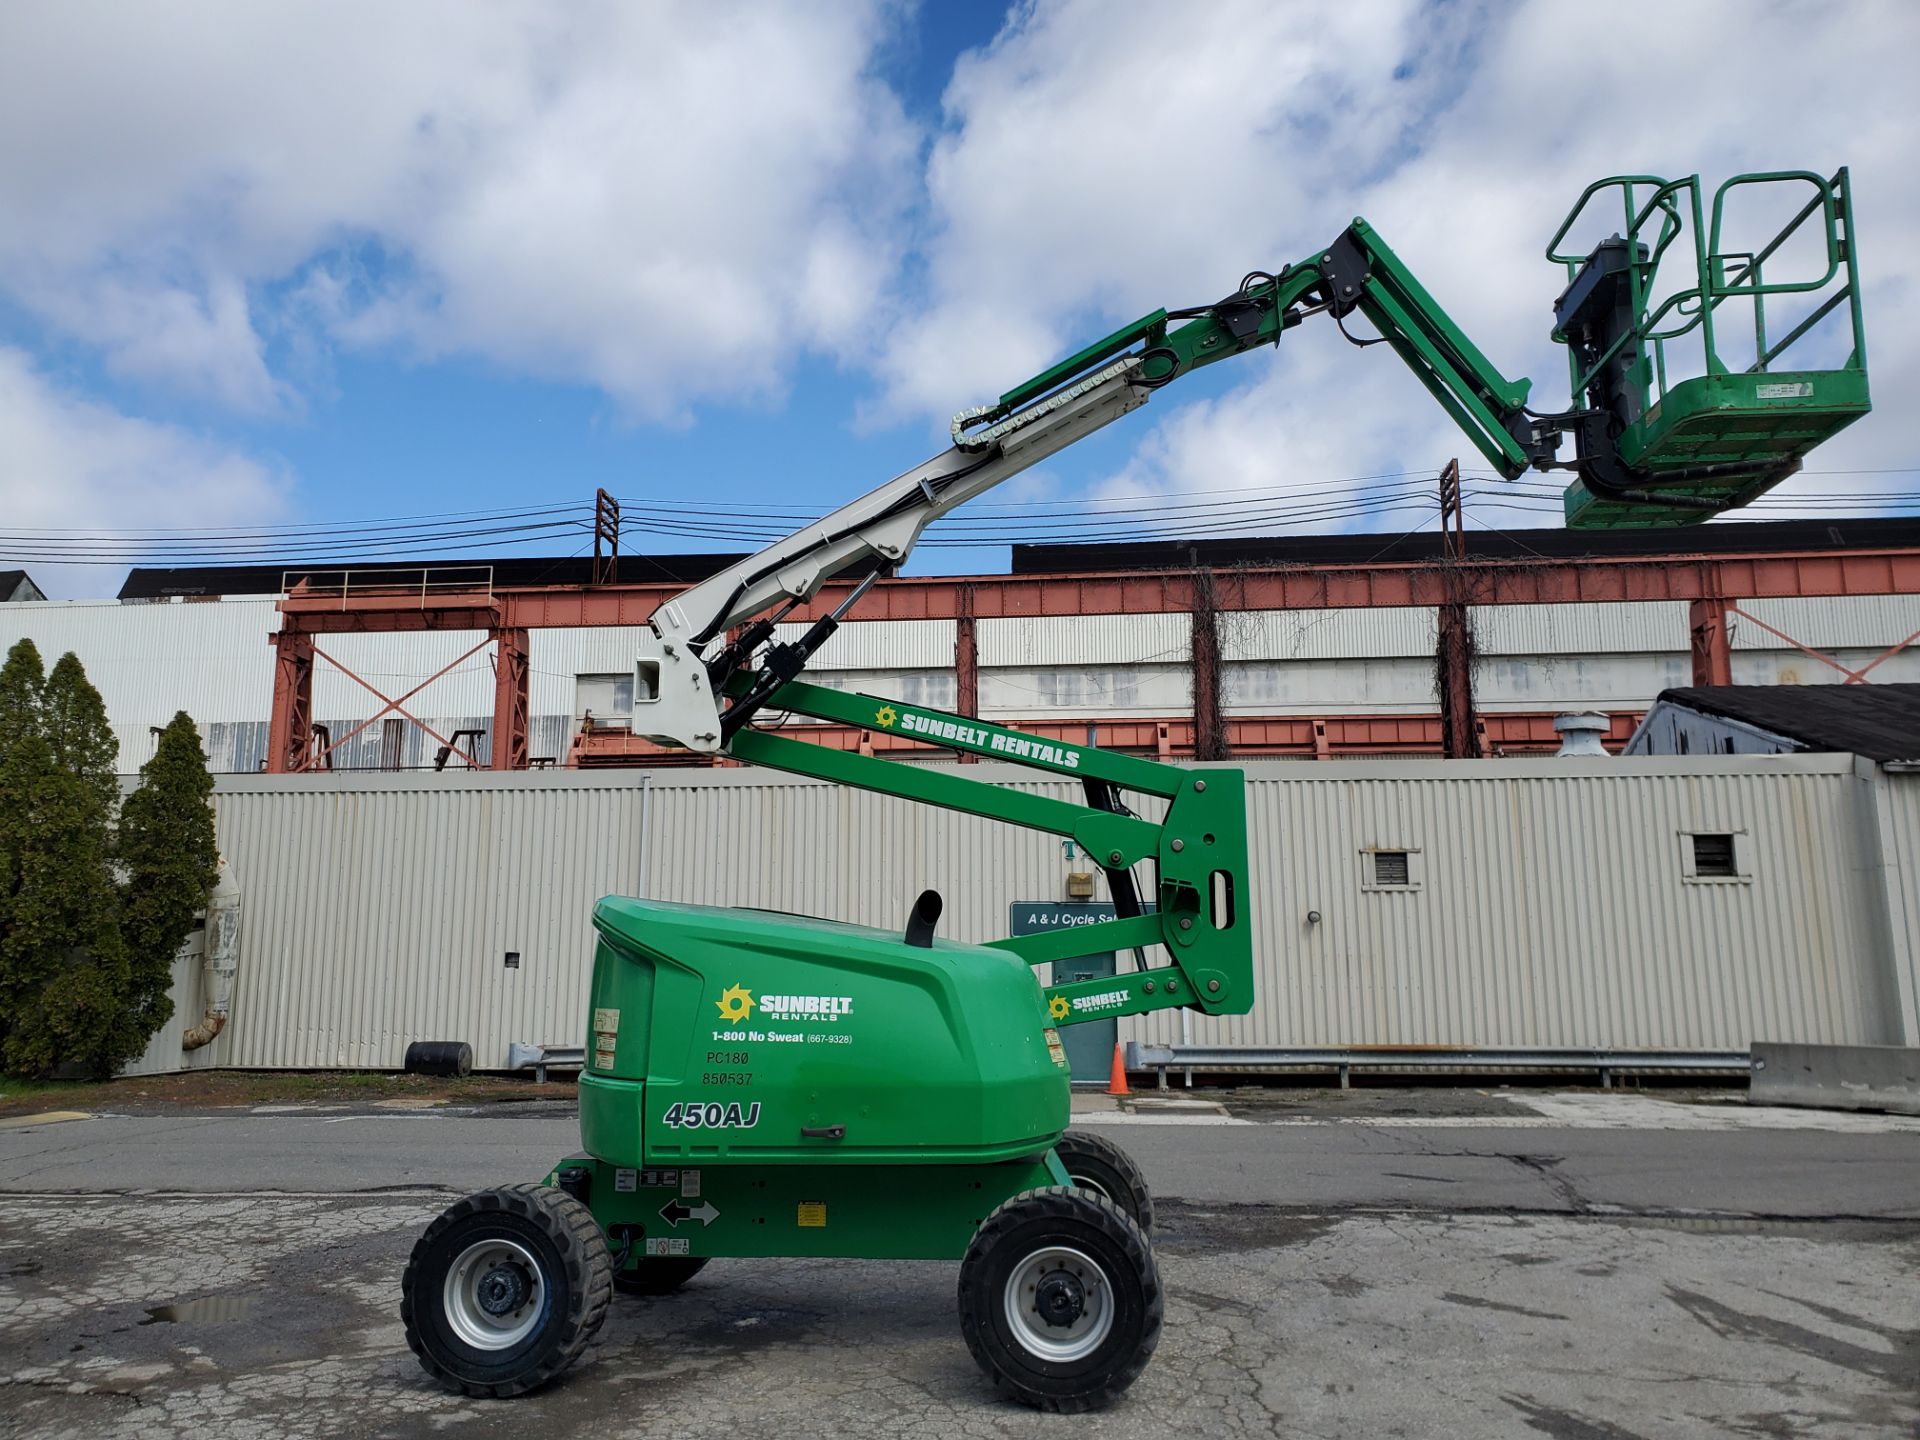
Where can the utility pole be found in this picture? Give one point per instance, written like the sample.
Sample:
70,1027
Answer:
1453,665
606,528
1209,717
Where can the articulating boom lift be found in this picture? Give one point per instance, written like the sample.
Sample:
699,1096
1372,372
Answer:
771,1085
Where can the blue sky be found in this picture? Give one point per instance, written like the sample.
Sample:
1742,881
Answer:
271,267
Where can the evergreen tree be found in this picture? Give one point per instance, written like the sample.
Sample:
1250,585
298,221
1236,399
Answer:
74,718
90,919
62,952
22,765
169,862
66,964
24,762
22,679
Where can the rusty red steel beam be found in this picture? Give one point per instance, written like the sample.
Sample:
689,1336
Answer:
1298,587
1859,677
1249,736
398,706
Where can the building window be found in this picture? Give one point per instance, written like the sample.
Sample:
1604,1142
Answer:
605,697
1714,856
393,742
1382,868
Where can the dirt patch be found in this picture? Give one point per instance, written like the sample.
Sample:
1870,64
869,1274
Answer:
214,1088
1183,1227
1410,1096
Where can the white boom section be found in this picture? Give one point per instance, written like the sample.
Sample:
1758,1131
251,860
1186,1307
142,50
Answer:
674,704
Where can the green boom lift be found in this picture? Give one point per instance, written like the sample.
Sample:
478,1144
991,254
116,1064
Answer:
772,1085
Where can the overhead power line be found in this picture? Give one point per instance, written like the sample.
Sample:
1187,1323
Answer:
1122,518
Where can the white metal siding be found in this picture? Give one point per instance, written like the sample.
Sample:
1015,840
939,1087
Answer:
1070,640
1326,687
878,645
377,913
211,659
1324,634
1841,620
215,661
1553,910
1639,628
1089,692
1898,813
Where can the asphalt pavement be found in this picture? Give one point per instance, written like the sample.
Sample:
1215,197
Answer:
1531,1151
1579,1265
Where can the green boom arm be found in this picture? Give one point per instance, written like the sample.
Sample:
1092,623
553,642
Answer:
1698,446
1198,848
1357,272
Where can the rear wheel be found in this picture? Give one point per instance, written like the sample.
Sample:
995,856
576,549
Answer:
505,1289
1060,1299
658,1274
1099,1165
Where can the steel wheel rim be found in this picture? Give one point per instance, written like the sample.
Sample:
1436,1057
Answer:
477,1276
1058,1343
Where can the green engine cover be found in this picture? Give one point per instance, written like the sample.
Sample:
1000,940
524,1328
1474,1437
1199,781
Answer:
722,1035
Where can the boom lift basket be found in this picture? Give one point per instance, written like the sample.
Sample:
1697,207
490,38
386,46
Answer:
1699,433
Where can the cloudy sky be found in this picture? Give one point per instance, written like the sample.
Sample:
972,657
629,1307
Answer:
274,265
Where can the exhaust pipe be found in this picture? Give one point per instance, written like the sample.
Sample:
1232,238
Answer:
221,937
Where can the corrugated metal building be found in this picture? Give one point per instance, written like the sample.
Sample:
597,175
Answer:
1549,902
214,660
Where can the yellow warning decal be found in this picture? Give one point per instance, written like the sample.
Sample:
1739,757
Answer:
812,1215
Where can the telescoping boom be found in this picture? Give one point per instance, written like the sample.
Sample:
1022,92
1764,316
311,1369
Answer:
1648,447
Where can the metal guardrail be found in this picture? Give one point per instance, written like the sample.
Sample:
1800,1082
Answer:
1345,1059
424,583
542,1058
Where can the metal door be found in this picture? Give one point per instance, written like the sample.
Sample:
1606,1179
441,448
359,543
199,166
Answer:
1089,1043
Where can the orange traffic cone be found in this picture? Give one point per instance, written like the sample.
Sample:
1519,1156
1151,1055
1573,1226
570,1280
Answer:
1117,1085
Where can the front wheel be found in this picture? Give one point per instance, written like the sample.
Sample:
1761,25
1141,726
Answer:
1095,1163
505,1289
1060,1299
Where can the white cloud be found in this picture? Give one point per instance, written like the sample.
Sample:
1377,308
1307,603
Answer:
1101,160
666,201
680,203
68,463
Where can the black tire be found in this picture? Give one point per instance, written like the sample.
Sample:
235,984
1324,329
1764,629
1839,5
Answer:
1020,1251
530,1244
658,1274
1099,1165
